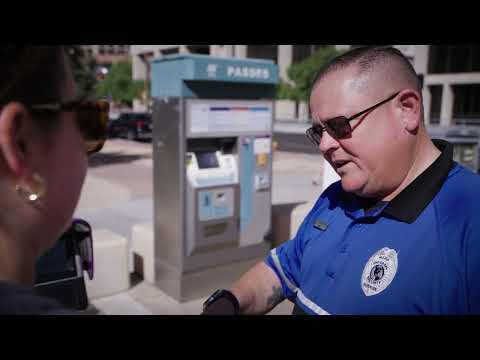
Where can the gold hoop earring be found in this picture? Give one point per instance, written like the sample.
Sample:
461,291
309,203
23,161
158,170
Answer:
34,192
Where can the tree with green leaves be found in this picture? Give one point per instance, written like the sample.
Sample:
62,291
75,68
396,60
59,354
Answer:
303,74
119,86
83,67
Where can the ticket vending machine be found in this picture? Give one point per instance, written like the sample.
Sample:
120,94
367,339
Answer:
212,151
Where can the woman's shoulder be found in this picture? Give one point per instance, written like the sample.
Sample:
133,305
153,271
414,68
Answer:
19,300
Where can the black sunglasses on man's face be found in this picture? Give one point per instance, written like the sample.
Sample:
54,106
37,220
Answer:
339,127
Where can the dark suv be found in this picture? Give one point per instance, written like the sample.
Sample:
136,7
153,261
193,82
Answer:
132,126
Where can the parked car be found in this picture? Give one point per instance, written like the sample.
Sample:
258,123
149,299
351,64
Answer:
132,126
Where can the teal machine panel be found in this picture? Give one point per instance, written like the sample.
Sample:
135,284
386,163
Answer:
194,76
212,150
247,165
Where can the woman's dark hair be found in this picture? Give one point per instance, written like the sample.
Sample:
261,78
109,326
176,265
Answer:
32,74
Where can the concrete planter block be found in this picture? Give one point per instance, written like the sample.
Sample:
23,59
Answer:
143,246
298,215
328,177
111,265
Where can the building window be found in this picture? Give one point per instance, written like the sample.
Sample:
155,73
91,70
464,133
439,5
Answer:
267,52
435,103
301,52
466,106
453,59
359,46
199,49
169,51
475,58
461,59
318,47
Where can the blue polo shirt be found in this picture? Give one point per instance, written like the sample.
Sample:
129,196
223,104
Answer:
417,254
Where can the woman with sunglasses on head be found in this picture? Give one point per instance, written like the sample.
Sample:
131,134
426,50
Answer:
46,134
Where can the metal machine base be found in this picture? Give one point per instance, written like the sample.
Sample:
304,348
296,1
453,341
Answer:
201,283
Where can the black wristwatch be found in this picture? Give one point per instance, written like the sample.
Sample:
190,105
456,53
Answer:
222,294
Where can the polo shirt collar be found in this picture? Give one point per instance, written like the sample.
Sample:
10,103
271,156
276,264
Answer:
410,203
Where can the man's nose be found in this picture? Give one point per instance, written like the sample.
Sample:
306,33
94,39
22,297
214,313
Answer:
327,143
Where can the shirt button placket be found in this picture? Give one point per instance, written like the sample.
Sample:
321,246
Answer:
338,261
346,243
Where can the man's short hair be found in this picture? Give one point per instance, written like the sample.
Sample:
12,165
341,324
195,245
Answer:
367,58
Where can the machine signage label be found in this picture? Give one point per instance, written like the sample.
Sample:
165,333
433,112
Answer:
262,145
231,70
206,118
247,72
212,70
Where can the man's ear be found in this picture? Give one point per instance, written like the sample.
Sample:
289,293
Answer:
409,104
14,119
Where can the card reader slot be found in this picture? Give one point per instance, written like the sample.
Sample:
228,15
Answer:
224,145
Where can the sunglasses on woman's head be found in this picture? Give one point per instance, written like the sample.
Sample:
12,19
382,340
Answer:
91,118
339,127
81,232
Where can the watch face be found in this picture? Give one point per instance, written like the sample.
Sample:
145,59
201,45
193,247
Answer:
212,298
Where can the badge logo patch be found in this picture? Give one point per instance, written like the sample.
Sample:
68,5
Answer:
379,271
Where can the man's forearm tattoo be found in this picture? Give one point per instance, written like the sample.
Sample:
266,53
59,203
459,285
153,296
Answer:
276,296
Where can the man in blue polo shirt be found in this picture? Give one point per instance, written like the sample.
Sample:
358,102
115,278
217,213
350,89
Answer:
399,233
